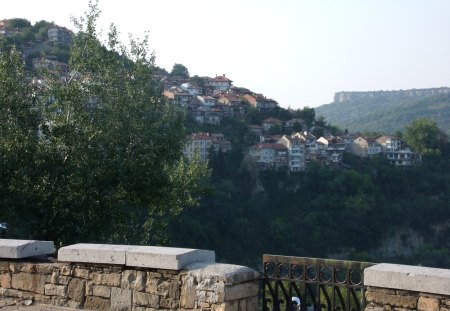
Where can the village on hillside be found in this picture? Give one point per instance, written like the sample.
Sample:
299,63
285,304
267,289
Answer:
208,100
218,98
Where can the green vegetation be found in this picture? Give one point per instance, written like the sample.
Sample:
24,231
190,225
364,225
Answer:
323,212
387,114
32,40
180,70
97,159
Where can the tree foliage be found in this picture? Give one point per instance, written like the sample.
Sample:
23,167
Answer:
180,70
424,136
104,161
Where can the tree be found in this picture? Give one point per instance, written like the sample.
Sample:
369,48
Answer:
424,136
108,163
180,70
18,136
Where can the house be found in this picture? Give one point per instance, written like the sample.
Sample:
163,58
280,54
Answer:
365,147
311,146
206,100
201,143
349,138
334,146
220,83
270,156
396,151
389,143
296,152
221,143
260,102
179,97
269,123
57,34
5,28
229,99
191,89
206,115
239,91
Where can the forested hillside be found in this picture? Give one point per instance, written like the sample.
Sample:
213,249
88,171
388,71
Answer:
387,114
367,210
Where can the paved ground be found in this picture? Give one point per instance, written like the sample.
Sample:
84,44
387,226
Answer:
8,304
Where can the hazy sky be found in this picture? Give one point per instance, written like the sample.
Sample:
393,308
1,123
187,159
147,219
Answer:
297,52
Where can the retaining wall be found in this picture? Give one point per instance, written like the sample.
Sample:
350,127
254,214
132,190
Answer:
104,286
403,288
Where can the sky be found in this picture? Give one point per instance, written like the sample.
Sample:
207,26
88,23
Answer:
298,52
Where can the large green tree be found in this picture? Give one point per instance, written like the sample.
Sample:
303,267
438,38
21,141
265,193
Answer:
107,162
180,70
424,136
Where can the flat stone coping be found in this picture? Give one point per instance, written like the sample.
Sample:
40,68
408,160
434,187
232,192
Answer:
14,249
230,274
135,256
413,278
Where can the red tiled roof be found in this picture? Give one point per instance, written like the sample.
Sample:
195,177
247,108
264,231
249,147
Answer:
221,79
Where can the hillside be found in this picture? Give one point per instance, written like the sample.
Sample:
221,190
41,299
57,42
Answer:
386,113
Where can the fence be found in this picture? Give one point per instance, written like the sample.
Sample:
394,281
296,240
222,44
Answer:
312,284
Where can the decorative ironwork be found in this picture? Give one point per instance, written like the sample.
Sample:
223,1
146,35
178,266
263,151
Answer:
312,284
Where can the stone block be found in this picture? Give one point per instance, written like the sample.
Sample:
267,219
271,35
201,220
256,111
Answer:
4,266
111,279
166,257
10,248
43,299
428,304
169,303
135,280
230,274
393,300
5,280
55,290
187,297
97,303
146,300
101,291
120,299
76,289
28,282
94,253
44,268
26,267
135,256
240,291
402,277
226,306
81,273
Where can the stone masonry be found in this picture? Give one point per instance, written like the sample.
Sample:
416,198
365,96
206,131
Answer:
207,286
402,288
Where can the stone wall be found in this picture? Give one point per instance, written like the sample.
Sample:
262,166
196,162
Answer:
402,288
124,277
208,286
382,299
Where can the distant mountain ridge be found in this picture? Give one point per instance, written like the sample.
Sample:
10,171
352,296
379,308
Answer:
341,97
387,111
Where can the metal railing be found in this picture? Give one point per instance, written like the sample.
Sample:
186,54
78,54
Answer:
312,284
